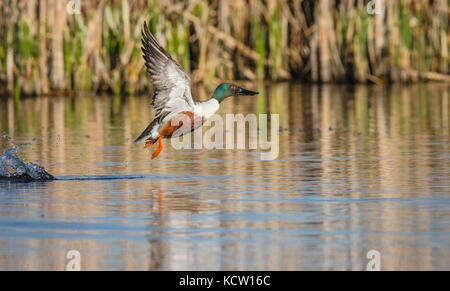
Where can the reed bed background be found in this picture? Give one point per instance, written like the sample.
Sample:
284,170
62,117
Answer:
44,49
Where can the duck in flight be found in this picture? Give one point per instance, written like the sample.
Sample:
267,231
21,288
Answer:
172,99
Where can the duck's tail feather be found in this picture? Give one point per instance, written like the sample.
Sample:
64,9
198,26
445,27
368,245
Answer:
151,132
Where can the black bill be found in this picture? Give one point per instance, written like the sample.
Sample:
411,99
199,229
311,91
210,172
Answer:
242,91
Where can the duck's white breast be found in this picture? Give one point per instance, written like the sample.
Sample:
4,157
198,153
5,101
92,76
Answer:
207,108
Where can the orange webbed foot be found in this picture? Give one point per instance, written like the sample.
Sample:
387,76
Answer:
148,144
159,149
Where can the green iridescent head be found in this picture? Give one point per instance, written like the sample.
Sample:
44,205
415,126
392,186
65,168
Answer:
225,90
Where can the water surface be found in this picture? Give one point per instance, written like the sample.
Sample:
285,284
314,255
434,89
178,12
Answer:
359,168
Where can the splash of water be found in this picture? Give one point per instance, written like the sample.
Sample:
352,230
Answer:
13,168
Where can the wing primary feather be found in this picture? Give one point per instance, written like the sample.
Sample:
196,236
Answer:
170,82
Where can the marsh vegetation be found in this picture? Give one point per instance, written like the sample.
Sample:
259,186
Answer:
43,48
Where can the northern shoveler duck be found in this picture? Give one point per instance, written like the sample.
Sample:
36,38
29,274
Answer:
172,99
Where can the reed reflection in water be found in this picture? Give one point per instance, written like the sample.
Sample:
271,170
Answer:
359,168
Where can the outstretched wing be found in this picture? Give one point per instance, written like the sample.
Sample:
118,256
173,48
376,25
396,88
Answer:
171,84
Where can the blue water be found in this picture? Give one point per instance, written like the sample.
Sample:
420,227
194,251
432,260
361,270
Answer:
359,169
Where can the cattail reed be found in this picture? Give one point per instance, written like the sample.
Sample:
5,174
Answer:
44,49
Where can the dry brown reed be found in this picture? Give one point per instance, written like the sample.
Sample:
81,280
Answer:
45,49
